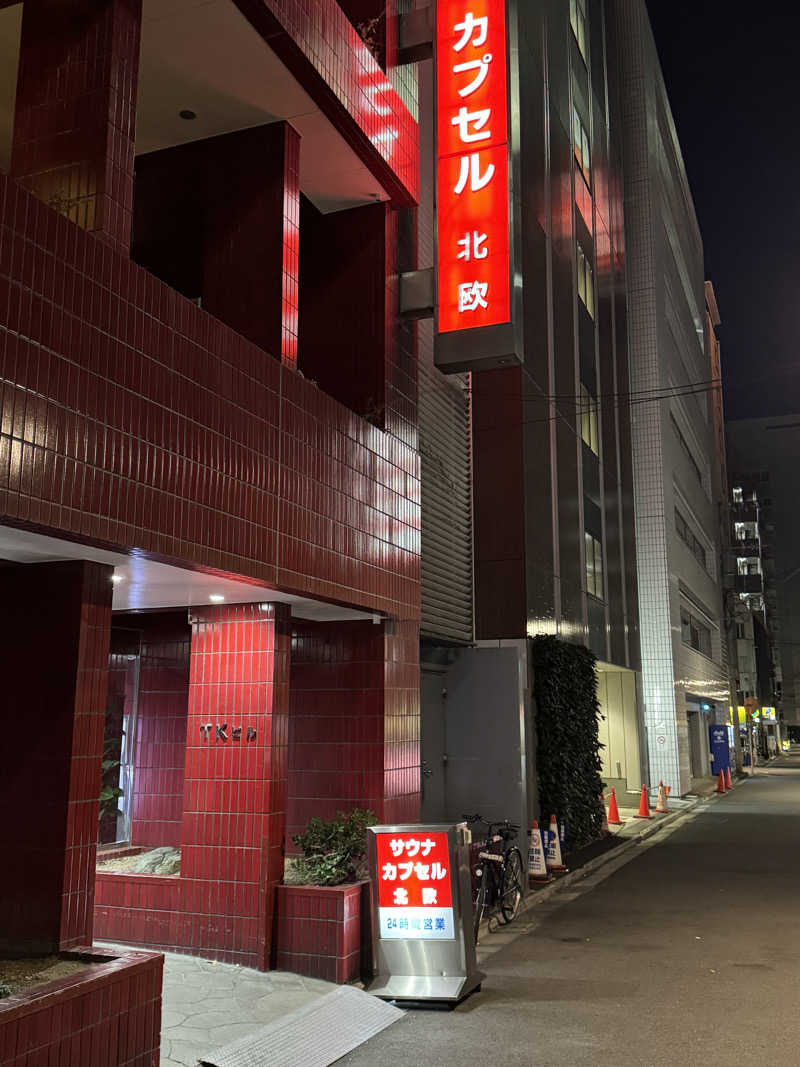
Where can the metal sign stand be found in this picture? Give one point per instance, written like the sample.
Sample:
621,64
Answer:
423,944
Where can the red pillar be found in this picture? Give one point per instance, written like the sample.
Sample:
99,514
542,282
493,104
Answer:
76,110
236,765
54,640
250,262
354,722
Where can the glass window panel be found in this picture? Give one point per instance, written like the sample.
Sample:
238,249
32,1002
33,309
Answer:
589,289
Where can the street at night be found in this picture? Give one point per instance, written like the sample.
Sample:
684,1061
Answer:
684,954
399,452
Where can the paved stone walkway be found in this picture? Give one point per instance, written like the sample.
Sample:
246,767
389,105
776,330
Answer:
207,1004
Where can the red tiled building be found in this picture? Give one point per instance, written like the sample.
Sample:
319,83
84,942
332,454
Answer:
209,484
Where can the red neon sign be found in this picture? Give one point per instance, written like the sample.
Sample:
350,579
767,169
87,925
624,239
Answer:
472,164
415,899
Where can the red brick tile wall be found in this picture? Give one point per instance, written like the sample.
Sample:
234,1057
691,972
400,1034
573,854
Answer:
130,417
160,751
235,801
354,721
401,756
76,110
54,640
142,909
251,234
320,930
319,44
342,278
107,1017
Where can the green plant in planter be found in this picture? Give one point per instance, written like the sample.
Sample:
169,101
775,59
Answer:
334,851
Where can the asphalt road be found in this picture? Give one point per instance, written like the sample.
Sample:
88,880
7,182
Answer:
688,954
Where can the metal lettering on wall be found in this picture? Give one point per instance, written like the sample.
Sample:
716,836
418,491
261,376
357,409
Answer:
473,256
224,733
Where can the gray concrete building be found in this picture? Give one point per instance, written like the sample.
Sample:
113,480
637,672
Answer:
684,680
552,482
764,458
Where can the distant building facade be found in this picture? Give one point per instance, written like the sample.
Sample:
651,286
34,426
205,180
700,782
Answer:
764,455
677,480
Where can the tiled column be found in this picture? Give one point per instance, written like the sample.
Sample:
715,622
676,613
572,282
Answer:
54,641
236,764
252,219
354,721
76,110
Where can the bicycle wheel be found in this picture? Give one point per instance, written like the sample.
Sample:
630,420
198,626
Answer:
511,887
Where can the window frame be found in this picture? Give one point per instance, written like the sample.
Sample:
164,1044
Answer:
594,571
578,21
692,542
585,280
691,625
589,416
581,147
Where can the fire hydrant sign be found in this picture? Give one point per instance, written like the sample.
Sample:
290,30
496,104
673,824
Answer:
472,201
415,899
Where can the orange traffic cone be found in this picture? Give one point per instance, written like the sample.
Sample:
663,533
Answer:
721,783
644,807
662,808
553,854
604,825
537,866
728,783
613,811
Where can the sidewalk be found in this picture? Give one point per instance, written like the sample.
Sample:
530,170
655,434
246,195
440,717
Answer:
206,1005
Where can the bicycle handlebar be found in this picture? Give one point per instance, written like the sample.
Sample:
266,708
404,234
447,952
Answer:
504,823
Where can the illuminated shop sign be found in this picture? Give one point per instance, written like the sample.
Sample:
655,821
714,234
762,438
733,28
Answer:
473,255
415,900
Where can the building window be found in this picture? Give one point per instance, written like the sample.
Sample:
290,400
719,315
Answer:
684,532
589,420
581,146
594,566
577,20
746,531
695,634
737,495
748,565
585,281
740,631
687,451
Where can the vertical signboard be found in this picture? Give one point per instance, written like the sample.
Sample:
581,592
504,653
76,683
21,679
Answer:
474,247
415,898
423,942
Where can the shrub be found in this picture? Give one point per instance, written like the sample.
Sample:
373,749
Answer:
334,851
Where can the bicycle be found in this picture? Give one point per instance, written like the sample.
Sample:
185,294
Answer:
498,885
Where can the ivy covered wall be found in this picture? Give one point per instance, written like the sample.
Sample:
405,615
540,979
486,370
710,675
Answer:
568,748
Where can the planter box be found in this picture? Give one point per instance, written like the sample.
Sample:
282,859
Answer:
323,931
109,1016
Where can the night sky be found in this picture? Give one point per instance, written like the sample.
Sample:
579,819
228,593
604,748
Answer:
733,78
